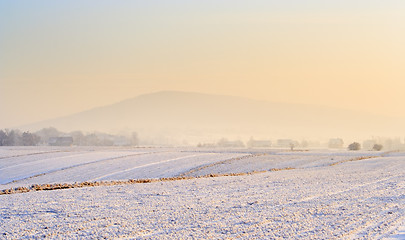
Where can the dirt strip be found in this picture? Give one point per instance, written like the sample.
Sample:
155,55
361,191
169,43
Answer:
30,154
57,186
384,154
199,168
353,159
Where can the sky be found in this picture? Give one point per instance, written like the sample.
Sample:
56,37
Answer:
62,57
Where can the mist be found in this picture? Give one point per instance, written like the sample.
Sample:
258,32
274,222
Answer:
187,118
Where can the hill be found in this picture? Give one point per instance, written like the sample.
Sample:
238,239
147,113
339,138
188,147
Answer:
197,116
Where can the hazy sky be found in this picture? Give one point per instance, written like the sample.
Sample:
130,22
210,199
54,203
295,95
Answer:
62,57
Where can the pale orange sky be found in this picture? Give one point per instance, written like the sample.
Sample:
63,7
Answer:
62,57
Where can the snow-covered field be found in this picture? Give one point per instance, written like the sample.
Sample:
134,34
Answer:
317,194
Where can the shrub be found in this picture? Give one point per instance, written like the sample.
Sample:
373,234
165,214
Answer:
354,146
377,147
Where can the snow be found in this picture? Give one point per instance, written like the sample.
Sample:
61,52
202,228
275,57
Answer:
79,165
328,194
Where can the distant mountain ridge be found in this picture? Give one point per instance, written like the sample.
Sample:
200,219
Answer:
185,114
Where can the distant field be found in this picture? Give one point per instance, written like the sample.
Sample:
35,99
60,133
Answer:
301,194
26,166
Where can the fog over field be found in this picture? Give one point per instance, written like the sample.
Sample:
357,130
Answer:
194,117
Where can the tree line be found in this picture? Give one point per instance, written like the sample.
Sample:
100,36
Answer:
18,138
15,137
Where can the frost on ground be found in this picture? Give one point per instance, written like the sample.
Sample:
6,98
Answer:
25,167
364,198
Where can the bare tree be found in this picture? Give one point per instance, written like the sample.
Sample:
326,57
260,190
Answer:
29,139
3,137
